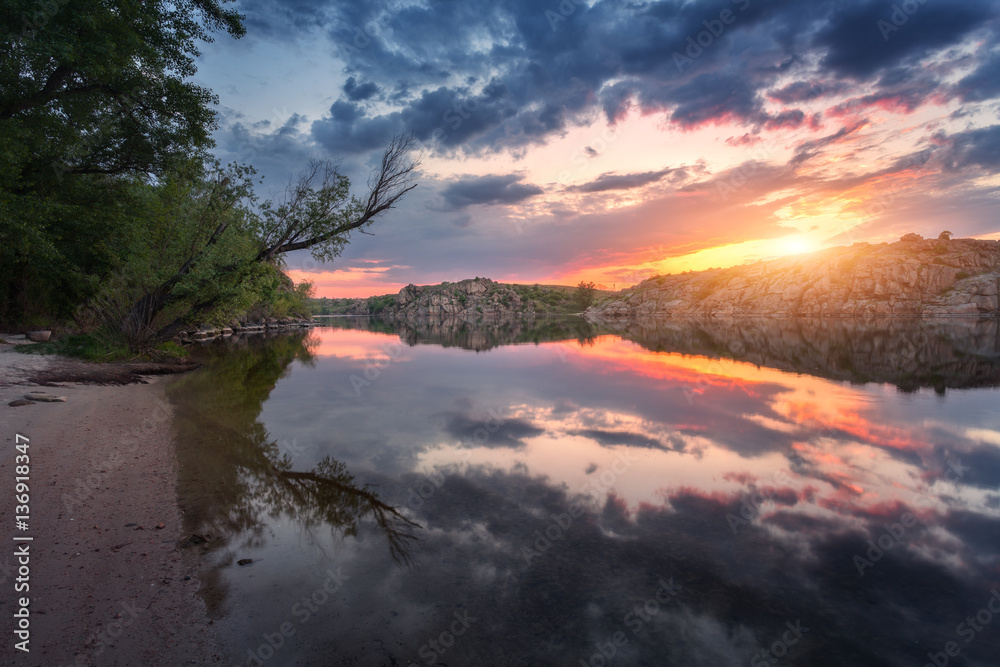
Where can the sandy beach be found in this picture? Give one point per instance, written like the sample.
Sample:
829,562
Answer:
109,582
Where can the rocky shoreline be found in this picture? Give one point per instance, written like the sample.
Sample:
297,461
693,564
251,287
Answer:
914,276
206,333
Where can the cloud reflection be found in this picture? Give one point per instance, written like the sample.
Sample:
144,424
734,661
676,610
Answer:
758,493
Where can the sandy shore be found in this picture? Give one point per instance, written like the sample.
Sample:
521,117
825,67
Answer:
109,583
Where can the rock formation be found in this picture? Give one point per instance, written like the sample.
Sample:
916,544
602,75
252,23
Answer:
469,299
913,276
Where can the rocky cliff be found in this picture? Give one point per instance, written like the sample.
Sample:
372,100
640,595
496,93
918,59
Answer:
471,299
914,276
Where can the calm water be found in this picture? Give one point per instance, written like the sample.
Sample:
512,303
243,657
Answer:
727,492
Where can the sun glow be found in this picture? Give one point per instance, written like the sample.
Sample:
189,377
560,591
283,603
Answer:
795,245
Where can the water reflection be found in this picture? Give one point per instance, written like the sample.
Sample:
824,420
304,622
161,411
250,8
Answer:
451,331
563,488
236,479
943,353
908,352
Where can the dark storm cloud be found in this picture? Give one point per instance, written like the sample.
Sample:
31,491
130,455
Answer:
609,56
492,189
359,91
982,84
443,117
979,148
897,89
858,44
806,91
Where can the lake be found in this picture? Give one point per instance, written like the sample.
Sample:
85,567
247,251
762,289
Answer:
556,492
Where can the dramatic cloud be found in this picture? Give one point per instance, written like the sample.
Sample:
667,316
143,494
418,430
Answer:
809,105
359,91
984,83
975,148
493,189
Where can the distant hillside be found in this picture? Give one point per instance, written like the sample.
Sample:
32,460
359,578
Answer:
472,298
910,277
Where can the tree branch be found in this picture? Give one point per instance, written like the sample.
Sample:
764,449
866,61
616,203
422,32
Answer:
387,185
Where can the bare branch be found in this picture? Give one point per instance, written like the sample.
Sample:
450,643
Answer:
388,183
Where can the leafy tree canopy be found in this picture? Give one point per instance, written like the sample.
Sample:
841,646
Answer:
98,86
93,99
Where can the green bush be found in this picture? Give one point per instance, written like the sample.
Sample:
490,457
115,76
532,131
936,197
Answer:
377,304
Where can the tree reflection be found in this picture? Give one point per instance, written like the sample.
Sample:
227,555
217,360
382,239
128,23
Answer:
479,335
234,475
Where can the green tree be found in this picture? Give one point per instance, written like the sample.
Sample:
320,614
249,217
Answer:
585,294
233,248
945,236
116,70
93,97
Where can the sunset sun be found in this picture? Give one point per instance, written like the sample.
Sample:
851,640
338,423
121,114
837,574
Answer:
795,245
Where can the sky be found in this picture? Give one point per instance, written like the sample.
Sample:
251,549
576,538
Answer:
610,140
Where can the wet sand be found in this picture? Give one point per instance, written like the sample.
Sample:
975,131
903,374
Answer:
109,582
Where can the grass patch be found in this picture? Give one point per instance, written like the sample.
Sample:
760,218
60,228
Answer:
97,348
80,346
168,350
